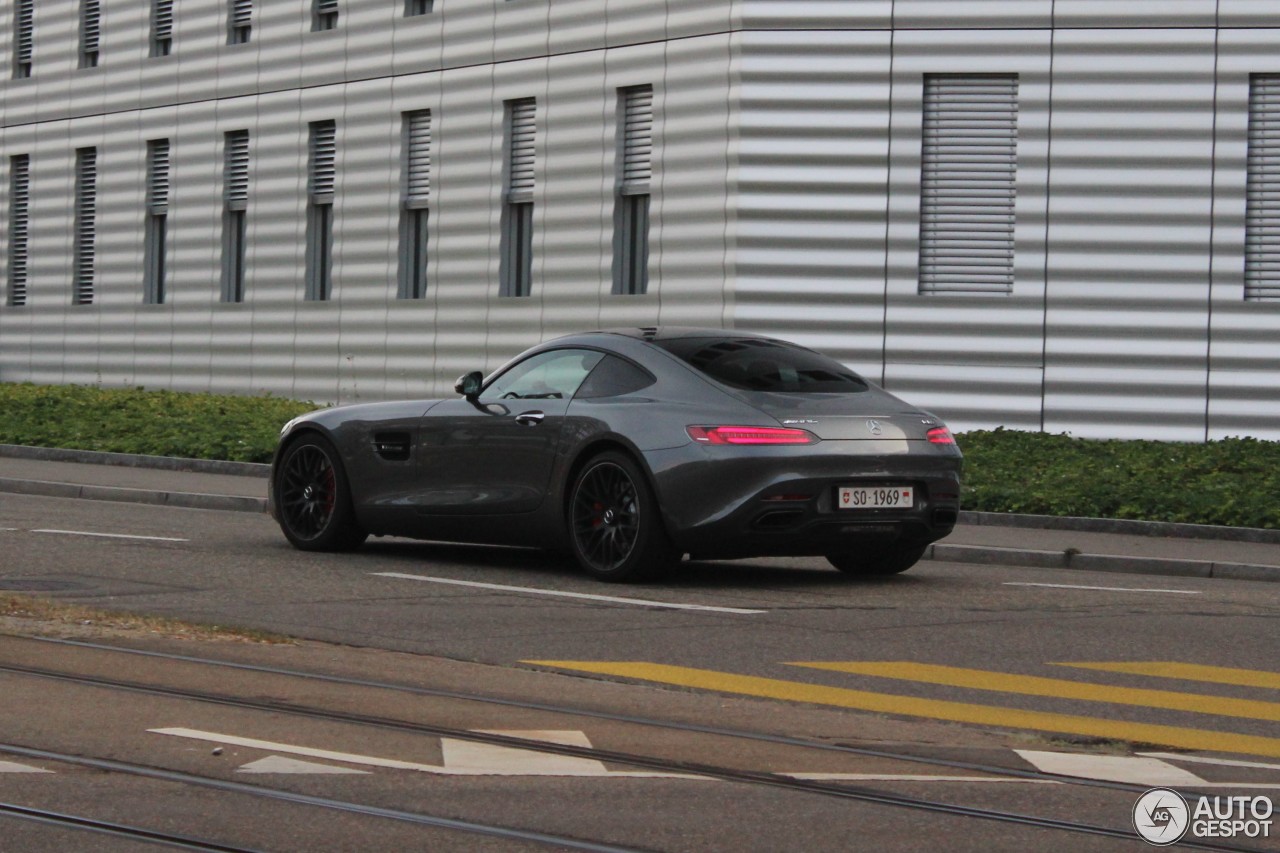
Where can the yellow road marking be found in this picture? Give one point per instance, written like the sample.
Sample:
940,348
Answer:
958,712
1190,672
1057,688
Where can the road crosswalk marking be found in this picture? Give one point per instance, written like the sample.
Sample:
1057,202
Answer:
951,711
15,767
1029,685
1189,672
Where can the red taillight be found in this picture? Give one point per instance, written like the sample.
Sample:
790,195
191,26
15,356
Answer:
940,435
750,435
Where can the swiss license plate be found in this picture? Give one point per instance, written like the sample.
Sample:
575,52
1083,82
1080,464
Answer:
875,497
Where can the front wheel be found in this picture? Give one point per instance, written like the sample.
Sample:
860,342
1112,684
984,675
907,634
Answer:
313,502
877,561
615,529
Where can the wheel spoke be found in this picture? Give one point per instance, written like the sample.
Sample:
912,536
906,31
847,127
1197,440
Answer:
604,516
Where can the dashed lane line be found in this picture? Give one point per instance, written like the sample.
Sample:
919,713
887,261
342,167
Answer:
909,706
1103,588
112,535
529,590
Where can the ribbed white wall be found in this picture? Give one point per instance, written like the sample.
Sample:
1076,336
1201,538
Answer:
785,196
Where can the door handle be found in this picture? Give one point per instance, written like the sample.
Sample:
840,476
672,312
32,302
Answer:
529,418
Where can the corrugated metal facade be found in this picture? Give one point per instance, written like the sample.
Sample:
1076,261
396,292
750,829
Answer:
785,196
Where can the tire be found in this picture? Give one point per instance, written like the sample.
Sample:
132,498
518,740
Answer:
615,530
313,499
878,561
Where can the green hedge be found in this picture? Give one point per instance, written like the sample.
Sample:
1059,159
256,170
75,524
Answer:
134,420
1233,482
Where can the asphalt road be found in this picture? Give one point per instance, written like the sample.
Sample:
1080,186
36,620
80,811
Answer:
957,659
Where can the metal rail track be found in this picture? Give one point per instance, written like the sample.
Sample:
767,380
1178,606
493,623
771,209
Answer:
117,830
859,794
226,786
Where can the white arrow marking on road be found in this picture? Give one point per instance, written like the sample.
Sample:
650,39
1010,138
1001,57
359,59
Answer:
14,767
488,762
642,602
112,535
1104,588
1222,762
1137,770
280,764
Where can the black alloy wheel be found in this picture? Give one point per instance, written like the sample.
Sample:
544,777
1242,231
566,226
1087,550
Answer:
312,500
614,527
878,560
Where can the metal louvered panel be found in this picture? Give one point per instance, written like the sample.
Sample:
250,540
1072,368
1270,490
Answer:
1262,208
520,165
85,233
968,183
19,226
158,176
239,21
637,139
235,169
162,19
89,26
24,27
417,158
323,150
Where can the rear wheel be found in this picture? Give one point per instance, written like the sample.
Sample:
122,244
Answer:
312,499
615,529
878,560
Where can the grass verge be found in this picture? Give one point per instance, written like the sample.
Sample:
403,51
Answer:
33,615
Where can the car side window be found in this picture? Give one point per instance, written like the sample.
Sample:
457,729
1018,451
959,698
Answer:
553,375
614,377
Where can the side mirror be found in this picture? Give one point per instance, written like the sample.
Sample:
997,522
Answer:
468,385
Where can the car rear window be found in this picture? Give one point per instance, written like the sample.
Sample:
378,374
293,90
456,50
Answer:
757,364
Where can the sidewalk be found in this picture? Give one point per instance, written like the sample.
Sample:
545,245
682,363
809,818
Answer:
988,538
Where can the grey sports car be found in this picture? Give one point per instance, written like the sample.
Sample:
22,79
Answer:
628,449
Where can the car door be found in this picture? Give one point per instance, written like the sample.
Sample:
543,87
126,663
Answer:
494,454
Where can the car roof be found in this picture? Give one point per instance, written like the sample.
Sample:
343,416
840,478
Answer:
671,333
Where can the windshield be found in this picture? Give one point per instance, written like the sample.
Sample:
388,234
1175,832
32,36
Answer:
756,364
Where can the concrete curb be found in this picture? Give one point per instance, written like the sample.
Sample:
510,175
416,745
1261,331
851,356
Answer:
133,460
1122,526
186,500
1070,559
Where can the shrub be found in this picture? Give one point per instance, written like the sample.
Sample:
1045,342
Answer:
134,420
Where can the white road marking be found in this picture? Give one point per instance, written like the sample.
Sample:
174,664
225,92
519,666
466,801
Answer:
15,767
280,764
112,535
1221,762
907,777
1104,588
486,760
1136,770
641,602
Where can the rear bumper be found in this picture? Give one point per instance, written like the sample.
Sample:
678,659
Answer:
780,502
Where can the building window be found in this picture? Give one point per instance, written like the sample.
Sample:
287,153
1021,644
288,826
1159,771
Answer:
418,7
85,225
19,223
969,162
161,27
155,242
239,21
1262,213
320,180
89,31
631,206
24,13
415,211
235,199
516,264
324,15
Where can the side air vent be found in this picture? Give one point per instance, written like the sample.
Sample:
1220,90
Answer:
391,446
